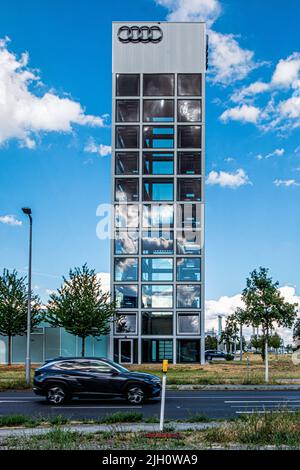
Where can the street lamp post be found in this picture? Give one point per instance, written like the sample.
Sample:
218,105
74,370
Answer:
27,211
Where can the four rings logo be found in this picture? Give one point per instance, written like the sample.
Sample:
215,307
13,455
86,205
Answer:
140,34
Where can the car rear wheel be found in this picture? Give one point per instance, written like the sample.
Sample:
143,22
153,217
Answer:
135,395
56,394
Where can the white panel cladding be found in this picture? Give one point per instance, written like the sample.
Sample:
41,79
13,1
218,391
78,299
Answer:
182,50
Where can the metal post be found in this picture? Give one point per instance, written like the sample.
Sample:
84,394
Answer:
163,395
27,211
266,361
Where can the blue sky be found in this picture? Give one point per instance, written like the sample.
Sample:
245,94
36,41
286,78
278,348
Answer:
56,106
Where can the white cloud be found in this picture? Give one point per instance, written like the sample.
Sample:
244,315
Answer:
287,71
10,220
192,10
244,113
227,305
228,180
290,108
228,60
23,113
100,149
286,183
275,153
105,281
277,115
252,90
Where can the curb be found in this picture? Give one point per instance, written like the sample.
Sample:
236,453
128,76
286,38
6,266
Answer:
233,387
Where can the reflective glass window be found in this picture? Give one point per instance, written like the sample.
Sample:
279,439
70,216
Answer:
126,242
158,84
157,242
189,216
161,215
189,110
157,296
127,110
126,269
127,137
158,163
155,350
188,324
127,215
188,242
127,163
127,84
157,323
127,189
188,351
158,137
126,296
189,137
189,163
158,111
125,323
188,296
189,84
188,189
157,269
158,190
188,269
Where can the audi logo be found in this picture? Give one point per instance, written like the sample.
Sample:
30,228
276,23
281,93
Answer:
137,34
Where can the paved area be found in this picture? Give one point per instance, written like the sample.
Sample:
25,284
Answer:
180,405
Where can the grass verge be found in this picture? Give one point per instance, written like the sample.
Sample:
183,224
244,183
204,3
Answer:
270,430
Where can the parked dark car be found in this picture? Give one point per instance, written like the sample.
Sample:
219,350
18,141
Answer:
214,354
64,378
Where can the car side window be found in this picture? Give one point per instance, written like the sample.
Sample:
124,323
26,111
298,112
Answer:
96,366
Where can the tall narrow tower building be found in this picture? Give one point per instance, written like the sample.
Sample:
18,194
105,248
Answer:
158,136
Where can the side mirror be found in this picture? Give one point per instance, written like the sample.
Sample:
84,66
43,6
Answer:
115,372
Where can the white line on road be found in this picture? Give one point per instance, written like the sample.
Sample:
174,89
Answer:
262,401
261,412
265,406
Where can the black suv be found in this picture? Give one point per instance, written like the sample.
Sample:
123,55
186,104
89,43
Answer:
214,354
63,378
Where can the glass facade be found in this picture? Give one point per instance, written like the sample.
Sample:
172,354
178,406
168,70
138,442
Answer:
158,220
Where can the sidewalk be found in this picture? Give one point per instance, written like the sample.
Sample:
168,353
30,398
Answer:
96,428
229,387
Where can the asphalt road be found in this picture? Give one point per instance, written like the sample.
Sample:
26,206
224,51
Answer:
179,404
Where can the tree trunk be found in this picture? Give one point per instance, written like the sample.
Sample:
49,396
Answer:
9,351
82,346
266,361
241,342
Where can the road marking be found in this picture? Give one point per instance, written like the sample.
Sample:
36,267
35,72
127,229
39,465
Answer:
13,401
262,412
266,406
262,401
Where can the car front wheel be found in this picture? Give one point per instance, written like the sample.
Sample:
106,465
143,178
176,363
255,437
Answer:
56,395
135,395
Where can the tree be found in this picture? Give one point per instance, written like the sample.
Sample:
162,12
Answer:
275,342
14,307
80,306
255,342
230,333
265,307
211,342
296,330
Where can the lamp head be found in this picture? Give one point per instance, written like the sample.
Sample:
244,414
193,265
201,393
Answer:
26,210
